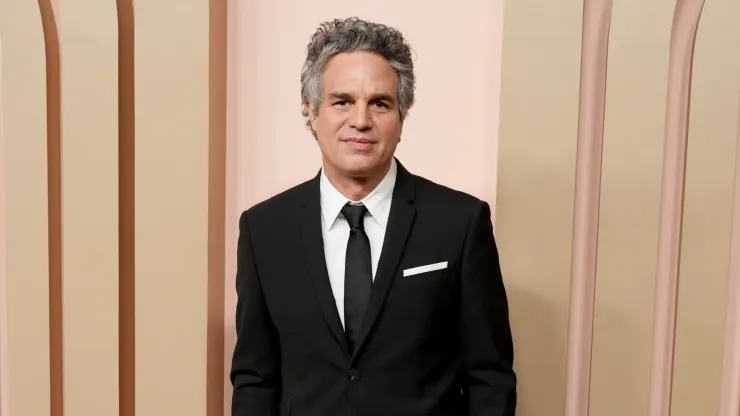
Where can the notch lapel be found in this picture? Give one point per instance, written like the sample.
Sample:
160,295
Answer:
313,246
400,221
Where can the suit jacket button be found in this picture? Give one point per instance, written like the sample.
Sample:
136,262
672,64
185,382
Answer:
355,374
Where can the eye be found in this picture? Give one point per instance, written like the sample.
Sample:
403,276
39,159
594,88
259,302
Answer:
340,103
380,104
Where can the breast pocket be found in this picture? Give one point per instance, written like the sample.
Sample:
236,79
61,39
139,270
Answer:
432,267
425,274
422,302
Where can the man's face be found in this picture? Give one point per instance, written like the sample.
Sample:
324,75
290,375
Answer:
358,124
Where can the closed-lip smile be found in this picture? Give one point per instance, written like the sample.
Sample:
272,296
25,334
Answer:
358,140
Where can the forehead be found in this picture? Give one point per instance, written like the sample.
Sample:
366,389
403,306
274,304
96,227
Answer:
359,73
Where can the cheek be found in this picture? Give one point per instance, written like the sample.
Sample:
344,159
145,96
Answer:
330,122
389,129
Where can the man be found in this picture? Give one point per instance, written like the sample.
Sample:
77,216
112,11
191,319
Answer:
367,290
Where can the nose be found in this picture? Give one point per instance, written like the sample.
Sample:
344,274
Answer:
360,118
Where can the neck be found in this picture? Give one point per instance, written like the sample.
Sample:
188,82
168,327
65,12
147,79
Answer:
355,188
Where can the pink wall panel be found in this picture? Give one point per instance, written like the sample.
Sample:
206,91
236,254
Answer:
450,136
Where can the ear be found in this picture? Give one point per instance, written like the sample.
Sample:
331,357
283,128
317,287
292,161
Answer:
311,115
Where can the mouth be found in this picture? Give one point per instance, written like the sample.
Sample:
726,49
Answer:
359,144
359,140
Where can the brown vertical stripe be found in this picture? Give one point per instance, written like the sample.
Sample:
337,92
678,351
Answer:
595,40
683,37
216,207
53,86
126,221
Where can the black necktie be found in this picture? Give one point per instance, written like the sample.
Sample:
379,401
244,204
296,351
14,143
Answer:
358,272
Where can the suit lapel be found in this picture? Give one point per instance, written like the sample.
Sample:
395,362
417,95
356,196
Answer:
400,221
313,245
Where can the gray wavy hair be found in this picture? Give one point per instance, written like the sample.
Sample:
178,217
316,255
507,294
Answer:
353,34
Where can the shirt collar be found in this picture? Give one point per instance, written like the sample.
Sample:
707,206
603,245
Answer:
378,202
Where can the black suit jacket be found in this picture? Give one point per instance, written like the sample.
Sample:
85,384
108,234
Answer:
435,343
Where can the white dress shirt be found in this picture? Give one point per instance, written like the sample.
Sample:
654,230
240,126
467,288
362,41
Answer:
335,228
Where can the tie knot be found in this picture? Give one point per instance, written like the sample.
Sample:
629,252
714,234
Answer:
355,214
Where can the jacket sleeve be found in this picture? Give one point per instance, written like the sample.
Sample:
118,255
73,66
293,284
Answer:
487,347
255,364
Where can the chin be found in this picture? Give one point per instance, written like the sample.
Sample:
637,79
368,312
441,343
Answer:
359,161
359,171
358,168
358,165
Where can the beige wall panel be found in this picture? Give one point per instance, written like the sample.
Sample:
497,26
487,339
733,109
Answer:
537,150
24,262
710,168
171,198
89,84
634,130
531,203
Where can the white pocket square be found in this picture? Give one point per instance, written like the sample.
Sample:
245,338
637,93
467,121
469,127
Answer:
424,269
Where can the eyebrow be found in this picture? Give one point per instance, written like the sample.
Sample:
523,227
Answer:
374,97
